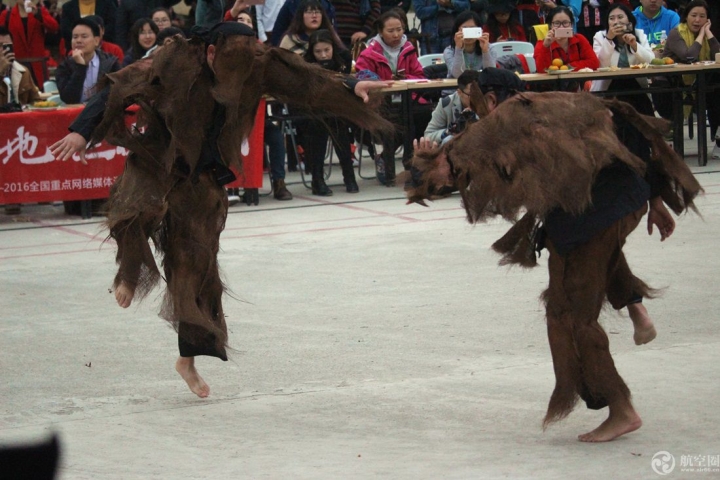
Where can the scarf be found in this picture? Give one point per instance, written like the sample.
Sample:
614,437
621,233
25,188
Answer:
690,38
391,53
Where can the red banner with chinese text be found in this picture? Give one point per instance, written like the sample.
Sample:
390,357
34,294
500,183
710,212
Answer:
28,171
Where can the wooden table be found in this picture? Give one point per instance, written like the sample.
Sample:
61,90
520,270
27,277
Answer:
700,88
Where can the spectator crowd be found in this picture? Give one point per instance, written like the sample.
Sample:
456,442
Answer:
70,45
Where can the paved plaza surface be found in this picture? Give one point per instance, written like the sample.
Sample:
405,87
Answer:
372,339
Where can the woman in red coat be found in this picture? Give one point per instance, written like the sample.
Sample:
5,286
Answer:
30,42
574,51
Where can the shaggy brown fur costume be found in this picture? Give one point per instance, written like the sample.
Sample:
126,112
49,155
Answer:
526,159
163,196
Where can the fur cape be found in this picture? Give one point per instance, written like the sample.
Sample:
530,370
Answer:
540,151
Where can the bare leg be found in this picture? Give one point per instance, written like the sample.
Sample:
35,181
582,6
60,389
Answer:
622,419
185,366
644,328
124,295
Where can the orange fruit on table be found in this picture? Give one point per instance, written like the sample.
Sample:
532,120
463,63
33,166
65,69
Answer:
557,62
564,67
669,61
553,67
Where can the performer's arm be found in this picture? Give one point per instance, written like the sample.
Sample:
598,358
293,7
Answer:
362,88
82,128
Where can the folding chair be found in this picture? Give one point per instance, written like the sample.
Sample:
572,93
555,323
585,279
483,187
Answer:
500,49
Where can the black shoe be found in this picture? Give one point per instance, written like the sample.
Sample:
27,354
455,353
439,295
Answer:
251,196
319,187
280,191
351,186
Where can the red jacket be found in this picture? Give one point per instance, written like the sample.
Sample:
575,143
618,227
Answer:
516,32
31,44
113,49
580,54
372,59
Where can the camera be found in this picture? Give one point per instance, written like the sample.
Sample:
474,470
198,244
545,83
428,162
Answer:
465,118
472,32
8,47
563,32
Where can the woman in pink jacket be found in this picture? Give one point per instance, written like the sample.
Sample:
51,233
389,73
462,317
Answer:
389,54
28,31
391,57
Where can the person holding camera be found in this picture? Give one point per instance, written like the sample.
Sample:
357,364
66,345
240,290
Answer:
470,49
17,85
562,43
622,45
29,23
453,113
16,88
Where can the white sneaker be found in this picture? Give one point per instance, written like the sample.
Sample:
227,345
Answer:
716,151
233,199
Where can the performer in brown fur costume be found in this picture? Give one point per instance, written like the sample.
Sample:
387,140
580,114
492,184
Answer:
197,102
587,168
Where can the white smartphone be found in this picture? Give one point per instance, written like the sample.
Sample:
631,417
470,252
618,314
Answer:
563,32
472,32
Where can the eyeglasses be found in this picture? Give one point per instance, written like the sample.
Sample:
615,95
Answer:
566,23
467,94
313,12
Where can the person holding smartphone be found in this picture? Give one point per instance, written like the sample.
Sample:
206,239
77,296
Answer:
561,42
468,53
16,83
623,45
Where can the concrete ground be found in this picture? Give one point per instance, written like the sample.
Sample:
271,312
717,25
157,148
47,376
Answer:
372,340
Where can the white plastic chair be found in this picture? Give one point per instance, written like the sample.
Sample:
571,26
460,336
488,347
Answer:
511,48
430,59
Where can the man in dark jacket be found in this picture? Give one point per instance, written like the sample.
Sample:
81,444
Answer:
130,11
78,74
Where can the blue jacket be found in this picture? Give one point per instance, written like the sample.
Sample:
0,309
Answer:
286,14
426,11
653,27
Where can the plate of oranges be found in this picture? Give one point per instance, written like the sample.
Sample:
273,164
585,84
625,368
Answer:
662,63
558,66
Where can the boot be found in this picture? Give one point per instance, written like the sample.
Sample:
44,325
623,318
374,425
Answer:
348,173
389,170
351,186
319,187
280,191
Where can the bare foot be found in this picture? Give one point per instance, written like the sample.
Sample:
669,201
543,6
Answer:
185,366
644,327
124,295
615,426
